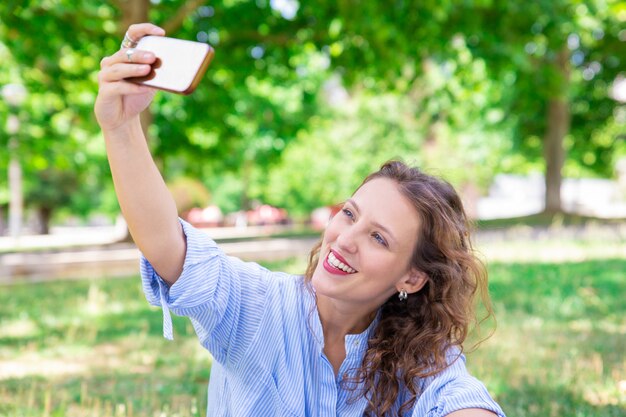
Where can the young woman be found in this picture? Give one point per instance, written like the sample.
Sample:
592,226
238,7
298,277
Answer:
375,326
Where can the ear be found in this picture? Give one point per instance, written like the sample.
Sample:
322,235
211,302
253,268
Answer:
413,281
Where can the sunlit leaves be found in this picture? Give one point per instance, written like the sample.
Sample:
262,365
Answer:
461,86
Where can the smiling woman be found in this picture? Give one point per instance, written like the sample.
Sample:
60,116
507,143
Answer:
375,326
402,232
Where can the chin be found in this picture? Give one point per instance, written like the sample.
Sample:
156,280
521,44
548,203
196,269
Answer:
319,281
315,278
326,285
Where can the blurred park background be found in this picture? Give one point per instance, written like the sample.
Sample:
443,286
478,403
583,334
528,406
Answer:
520,104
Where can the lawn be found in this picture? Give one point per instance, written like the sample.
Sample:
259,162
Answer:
94,347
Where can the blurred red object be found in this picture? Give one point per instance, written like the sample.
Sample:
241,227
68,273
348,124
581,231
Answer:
210,216
267,215
322,215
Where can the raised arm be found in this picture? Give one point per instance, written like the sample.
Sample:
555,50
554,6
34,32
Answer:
146,203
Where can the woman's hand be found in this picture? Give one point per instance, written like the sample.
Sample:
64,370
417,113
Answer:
120,101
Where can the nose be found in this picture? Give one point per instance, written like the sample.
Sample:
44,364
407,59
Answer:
347,240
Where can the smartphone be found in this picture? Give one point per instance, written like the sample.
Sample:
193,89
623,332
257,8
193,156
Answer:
179,64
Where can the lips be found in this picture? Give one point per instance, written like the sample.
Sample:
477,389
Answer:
336,264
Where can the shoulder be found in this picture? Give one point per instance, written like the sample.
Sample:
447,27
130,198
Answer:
202,249
454,389
472,412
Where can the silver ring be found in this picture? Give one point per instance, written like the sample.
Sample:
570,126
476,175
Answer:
128,42
129,54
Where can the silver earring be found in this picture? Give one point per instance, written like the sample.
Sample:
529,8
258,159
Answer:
403,295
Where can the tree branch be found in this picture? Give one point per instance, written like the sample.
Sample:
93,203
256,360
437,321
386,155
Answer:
176,21
117,4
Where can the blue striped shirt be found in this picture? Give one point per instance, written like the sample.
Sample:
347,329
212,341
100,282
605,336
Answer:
263,330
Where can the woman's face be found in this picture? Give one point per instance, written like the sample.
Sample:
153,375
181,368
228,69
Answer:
367,247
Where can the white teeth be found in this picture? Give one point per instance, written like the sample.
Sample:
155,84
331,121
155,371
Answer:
339,265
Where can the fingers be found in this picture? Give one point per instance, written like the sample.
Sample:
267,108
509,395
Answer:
139,57
135,32
120,71
126,88
117,67
139,30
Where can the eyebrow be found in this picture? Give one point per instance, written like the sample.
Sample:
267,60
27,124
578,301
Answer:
376,224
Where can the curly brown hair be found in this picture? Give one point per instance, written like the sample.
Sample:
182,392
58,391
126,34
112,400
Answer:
413,336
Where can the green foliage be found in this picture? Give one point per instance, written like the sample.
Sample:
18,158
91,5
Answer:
326,164
51,188
53,49
522,47
459,87
188,193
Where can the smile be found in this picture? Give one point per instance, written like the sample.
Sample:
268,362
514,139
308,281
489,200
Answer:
333,261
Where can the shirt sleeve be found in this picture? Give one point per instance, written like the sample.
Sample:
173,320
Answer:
452,390
210,290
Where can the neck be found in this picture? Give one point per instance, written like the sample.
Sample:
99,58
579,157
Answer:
339,320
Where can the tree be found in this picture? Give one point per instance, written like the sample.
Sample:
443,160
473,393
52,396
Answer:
473,74
259,101
56,144
553,60
556,61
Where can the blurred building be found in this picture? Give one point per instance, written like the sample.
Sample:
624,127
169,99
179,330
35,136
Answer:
517,195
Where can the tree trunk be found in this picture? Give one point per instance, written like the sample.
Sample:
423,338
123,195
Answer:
133,11
554,153
3,227
558,125
16,196
44,214
138,11
246,173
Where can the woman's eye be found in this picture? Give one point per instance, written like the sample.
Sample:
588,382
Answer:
378,238
348,213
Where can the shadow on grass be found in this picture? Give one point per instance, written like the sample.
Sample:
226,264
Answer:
564,291
80,312
561,339
95,347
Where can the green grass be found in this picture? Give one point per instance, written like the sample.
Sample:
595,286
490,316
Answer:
560,344
95,348
83,348
547,220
